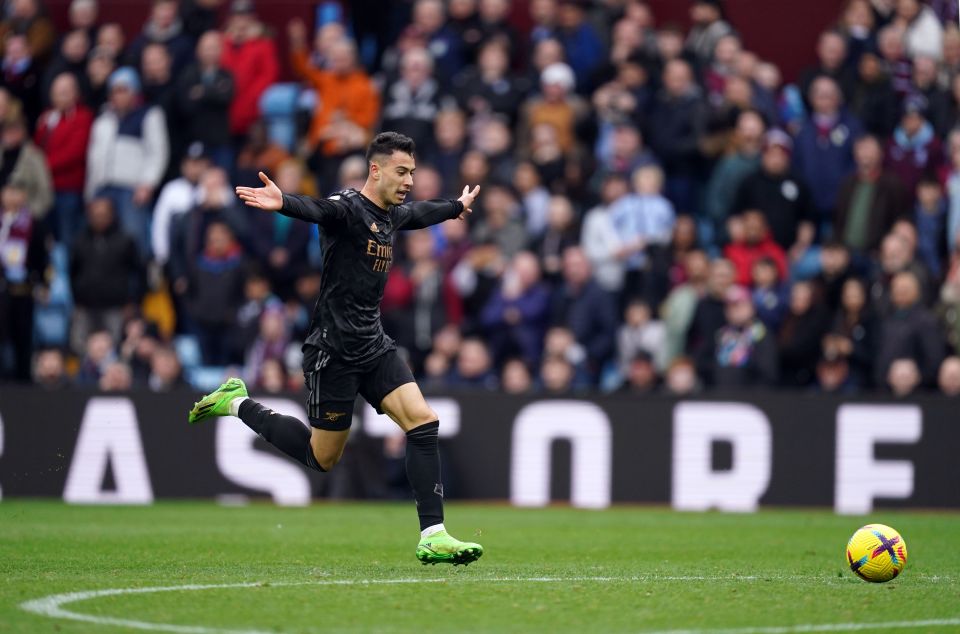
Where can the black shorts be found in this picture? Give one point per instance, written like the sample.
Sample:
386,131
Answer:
333,385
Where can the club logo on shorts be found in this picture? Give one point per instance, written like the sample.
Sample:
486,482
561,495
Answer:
373,227
438,489
333,416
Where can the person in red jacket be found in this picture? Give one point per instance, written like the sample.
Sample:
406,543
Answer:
248,53
750,240
62,134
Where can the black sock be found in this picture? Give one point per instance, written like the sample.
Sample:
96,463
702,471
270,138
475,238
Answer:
423,471
286,433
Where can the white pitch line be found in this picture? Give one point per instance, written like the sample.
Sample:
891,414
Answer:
52,605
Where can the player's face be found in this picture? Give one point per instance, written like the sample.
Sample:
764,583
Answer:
396,177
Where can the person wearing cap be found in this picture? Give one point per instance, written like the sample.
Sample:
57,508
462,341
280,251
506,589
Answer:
177,197
250,54
773,189
127,155
709,25
744,353
63,132
557,106
914,148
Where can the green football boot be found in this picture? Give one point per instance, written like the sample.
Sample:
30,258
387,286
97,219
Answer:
441,548
217,403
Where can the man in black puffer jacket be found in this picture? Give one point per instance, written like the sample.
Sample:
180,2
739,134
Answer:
107,275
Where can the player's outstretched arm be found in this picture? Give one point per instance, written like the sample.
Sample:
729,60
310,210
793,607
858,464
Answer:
430,212
269,197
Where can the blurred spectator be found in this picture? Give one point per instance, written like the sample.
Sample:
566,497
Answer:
205,91
903,377
250,55
582,45
667,261
514,318
450,133
494,24
561,233
23,163
869,201
22,276
676,122
930,216
833,376
116,377
641,375
873,100
489,87
140,342
836,267
896,64
600,239
556,375
745,353
853,334
909,332
259,153
708,314
831,62
823,152
582,306
428,29
500,223
926,84
678,309
474,367
164,27
106,274
709,25
100,65
165,371
914,148
642,219
257,297
111,40
70,59
557,106
26,18
515,377
177,197
741,159
534,198
22,76
640,331
348,103
215,292
98,354
63,133
771,296
752,243
800,336
128,155
412,101
273,377
785,201
271,343
49,370
681,378
280,243
620,151
858,26
922,31
897,255
948,378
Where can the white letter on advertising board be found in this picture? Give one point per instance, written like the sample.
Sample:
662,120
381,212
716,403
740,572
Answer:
242,463
537,426
109,434
696,485
860,477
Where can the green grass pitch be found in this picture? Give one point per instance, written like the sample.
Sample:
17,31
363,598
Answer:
351,568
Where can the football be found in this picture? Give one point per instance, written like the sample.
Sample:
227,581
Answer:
876,553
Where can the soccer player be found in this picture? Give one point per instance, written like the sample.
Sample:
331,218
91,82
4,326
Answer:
347,350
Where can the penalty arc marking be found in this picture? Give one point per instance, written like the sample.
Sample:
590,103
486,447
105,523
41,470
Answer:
53,605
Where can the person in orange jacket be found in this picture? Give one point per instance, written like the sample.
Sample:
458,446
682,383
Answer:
348,103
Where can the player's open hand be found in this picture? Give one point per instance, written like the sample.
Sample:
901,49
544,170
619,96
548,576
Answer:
268,197
467,198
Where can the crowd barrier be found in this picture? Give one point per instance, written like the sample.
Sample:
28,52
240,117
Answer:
732,452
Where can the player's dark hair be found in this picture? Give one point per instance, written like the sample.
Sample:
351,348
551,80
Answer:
387,143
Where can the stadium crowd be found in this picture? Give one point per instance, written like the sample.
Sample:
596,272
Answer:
659,212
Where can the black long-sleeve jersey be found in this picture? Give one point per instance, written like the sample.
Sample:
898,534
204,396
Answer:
357,240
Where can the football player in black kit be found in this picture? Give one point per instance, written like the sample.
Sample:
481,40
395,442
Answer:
347,352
